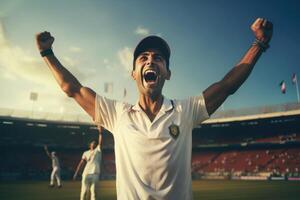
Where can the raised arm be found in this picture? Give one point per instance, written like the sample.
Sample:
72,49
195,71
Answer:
100,129
84,96
47,152
79,166
217,93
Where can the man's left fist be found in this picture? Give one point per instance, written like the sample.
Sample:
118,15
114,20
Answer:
262,29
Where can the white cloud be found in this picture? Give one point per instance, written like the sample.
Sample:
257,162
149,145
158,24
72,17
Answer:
141,31
125,56
108,65
9,76
75,49
71,62
19,67
105,61
18,63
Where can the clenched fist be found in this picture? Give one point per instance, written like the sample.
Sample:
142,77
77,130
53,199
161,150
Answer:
262,30
44,40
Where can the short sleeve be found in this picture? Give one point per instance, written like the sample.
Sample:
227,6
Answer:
199,112
84,156
105,112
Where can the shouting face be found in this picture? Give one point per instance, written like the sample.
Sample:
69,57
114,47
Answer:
150,72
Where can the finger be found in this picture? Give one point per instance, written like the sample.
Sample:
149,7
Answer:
52,39
38,35
264,23
260,22
257,23
46,34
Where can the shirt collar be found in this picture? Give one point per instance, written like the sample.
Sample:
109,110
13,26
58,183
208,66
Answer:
166,106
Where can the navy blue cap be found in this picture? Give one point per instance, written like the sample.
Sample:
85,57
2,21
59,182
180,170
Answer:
153,42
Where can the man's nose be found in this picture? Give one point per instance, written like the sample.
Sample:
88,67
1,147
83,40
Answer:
149,61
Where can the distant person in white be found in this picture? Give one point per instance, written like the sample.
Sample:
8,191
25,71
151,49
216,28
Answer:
55,168
90,176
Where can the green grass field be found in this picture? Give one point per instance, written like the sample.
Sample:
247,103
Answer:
204,190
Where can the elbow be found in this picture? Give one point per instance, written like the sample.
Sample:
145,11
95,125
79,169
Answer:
69,89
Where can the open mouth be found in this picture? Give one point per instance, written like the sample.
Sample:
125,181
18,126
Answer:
150,76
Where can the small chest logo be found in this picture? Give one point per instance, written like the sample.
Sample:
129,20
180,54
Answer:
174,130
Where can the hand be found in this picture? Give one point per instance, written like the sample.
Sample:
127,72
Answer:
44,40
75,176
262,30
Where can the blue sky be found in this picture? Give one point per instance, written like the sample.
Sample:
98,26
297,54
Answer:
95,39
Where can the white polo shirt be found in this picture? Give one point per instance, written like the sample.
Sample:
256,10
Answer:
55,161
93,161
151,162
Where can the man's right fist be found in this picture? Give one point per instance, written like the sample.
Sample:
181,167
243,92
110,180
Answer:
263,30
44,40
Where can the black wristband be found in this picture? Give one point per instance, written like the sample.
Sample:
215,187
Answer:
46,52
264,46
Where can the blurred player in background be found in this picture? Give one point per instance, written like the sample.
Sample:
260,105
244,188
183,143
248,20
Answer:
90,176
55,174
153,138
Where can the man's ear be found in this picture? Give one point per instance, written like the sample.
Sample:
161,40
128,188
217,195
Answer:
168,77
133,74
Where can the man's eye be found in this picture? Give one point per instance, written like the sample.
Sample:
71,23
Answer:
158,58
143,58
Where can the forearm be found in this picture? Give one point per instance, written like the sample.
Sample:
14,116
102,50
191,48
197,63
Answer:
68,83
78,168
47,152
217,93
237,76
100,136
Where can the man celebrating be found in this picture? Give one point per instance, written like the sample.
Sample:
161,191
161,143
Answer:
153,139
55,174
91,172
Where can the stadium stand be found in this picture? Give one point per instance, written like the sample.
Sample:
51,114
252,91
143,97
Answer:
256,146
